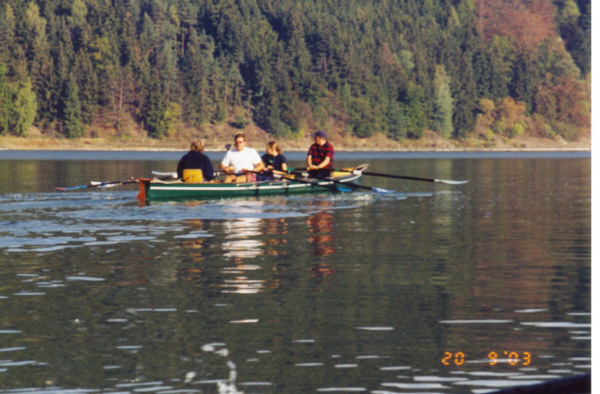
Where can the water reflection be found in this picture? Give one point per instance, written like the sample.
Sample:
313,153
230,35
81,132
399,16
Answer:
192,242
276,232
320,228
240,240
241,244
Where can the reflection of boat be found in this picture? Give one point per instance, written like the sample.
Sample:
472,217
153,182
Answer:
321,230
238,240
156,190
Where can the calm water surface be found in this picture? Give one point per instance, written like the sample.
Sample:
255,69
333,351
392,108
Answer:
433,288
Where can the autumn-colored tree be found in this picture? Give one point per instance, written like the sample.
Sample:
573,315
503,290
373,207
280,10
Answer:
485,119
566,101
510,117
526,22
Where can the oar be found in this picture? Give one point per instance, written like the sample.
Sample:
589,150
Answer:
96,184
282,174
327,186
411,178
103,184
169,175
373,189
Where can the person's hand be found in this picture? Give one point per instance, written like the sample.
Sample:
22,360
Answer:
230,169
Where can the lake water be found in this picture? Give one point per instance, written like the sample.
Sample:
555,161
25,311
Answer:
432,288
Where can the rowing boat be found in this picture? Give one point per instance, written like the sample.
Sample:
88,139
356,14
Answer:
160,190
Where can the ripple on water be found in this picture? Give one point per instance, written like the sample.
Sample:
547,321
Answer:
416,386
45,223
557,324
10,332
84,279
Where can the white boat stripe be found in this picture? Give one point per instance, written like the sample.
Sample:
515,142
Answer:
154,187
206,187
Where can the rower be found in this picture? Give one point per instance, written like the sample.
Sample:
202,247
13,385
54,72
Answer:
319,160
241,163
195,166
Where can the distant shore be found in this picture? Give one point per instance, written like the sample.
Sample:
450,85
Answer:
429,143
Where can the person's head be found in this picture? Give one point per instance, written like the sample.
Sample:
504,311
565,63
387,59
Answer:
197,146
239,141
274,149
320,137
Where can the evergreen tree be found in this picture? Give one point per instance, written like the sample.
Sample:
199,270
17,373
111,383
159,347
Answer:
72,110
17,105
196,66
7,31
4,100
443,108
524,80
153,114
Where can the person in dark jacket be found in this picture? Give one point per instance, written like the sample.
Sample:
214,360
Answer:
274,158
196,159
319,160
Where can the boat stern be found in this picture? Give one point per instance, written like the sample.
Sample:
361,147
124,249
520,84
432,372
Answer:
144,184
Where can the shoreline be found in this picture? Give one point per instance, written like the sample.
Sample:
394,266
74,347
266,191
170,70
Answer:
429,143
424,150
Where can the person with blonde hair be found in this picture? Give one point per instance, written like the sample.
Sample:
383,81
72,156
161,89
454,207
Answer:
195,159
274,158
241,163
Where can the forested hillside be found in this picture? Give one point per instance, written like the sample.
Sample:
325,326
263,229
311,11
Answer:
457,67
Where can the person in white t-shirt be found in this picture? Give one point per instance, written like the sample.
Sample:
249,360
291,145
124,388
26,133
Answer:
240,160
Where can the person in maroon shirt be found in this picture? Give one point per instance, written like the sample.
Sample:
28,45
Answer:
319,161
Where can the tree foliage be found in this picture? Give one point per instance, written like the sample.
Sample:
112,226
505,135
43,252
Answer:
393,67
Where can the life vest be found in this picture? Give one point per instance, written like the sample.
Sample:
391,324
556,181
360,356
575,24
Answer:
192,175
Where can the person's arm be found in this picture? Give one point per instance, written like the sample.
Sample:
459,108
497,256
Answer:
180,169
209,172
309,162
226,164
257,162
282,163
322,164
264,159
260,166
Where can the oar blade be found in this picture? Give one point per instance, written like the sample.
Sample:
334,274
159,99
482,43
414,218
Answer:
64,189
382,191
450,182
343,189
164,175
373,189
105,185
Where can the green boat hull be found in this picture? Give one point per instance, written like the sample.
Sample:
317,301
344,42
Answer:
151,190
